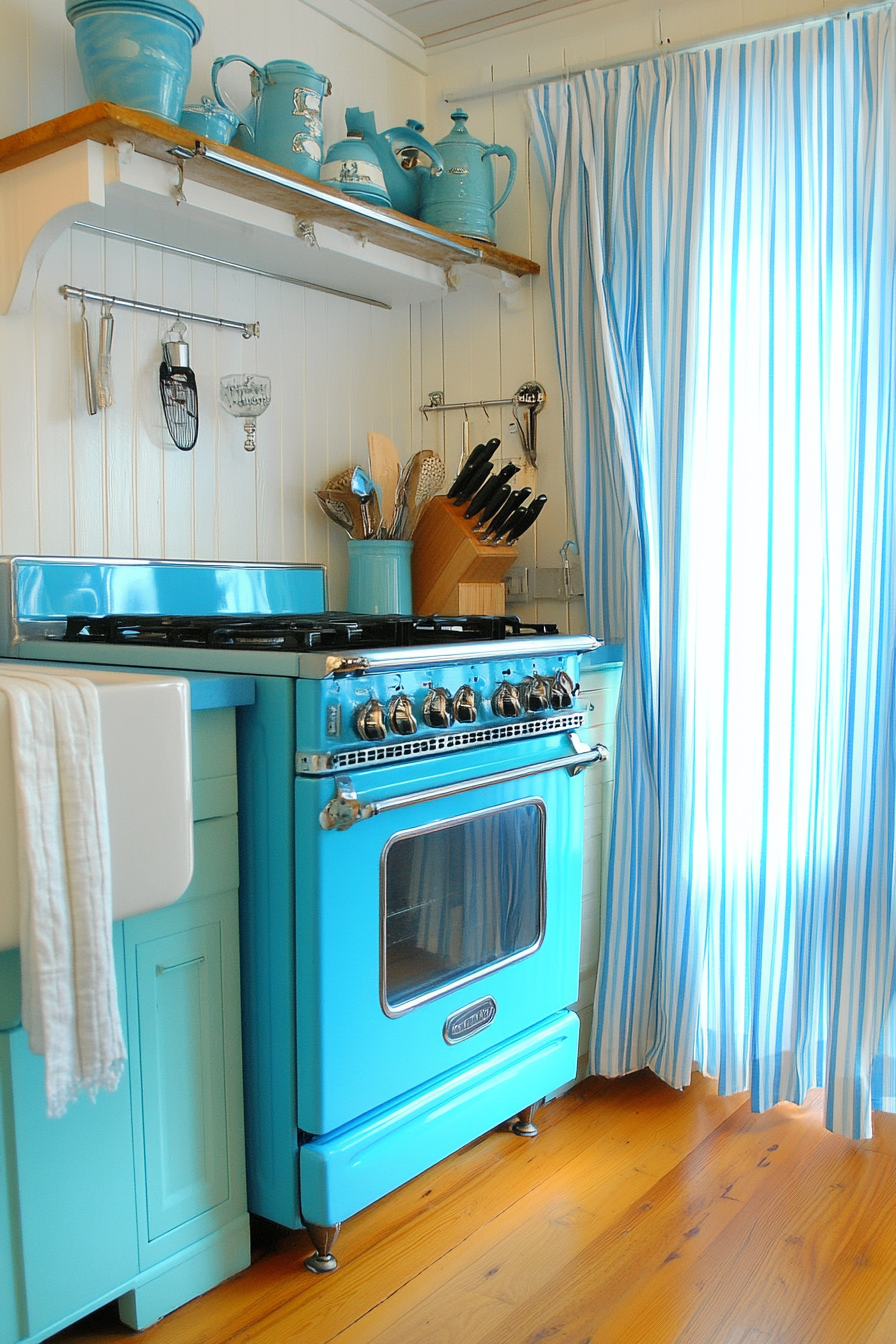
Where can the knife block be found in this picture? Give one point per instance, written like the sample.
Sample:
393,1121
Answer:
452,572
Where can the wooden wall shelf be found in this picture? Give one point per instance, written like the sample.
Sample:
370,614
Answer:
50,174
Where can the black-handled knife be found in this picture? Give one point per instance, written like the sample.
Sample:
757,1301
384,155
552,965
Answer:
501,518
477,478
484,496
482,452
497,501
523,520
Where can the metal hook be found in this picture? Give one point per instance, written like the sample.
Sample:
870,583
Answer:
485,408
178,192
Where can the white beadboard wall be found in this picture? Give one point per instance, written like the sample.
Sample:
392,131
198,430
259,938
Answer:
114,484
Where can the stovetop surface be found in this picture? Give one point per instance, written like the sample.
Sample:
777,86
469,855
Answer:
299,632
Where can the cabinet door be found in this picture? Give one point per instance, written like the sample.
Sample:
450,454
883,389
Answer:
183,976
75,1195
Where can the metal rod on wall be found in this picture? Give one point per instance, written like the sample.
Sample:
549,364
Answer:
249,329
231,265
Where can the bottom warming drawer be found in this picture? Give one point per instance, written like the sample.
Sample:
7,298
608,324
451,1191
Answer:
349,1168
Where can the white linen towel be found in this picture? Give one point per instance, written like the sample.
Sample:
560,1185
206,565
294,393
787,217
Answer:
69,994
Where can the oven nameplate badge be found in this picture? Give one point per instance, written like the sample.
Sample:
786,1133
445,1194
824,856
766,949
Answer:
467,1021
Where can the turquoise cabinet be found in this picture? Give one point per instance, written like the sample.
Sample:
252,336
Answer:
140,1196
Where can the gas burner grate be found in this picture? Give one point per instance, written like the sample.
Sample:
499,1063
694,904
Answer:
355,757
297,633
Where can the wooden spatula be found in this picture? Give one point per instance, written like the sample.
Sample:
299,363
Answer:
384,468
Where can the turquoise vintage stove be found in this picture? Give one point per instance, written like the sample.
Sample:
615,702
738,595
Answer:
410,811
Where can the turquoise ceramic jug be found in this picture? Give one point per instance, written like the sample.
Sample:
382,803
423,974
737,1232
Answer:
462,199
283,123
137,53
352,166
396,152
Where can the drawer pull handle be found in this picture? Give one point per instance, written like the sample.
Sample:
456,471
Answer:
180,965
342,811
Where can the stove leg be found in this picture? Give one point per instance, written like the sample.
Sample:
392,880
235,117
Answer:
524,1126
322,1262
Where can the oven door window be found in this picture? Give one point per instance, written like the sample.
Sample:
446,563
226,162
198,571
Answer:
459,900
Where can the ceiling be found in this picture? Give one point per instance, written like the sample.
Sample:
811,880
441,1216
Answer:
438,21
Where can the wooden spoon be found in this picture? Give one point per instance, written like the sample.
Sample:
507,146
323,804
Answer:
385,468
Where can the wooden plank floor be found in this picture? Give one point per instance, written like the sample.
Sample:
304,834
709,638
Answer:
639,1215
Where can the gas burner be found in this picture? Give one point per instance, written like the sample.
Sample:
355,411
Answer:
297,633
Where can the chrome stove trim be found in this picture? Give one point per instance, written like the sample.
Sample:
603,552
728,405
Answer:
407,1005
318,666
345,807
326,763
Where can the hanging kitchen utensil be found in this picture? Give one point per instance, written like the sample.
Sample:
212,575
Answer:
528,401
89,384
104,362
177,387
385,468
245,396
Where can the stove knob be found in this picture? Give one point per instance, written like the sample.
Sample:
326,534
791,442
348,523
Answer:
370,721
401,715
437,709
506,701
536,694
562,691
464,705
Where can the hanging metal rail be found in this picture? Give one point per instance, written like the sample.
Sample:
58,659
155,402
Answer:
249,329
436,404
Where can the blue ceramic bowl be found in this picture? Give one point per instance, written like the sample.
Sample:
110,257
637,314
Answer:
136,52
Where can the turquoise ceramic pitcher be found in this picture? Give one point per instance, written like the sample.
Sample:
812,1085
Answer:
462,199
396,152
283,123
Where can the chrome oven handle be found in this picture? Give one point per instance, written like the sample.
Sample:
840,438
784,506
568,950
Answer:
343,810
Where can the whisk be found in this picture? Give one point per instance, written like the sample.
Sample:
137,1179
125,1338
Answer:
177,388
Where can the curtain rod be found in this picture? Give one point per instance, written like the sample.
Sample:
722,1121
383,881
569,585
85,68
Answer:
517,85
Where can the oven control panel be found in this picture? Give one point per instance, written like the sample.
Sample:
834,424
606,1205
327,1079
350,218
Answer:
403,712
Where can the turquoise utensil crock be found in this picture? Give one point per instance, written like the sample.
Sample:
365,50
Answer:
137,53
379,577
462,199
284,122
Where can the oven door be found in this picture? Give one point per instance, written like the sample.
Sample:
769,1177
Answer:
432,930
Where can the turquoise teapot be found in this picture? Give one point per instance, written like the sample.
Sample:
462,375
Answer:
397,152
283,123
462,200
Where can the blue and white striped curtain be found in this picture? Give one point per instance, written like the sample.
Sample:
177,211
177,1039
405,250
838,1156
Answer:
723,266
